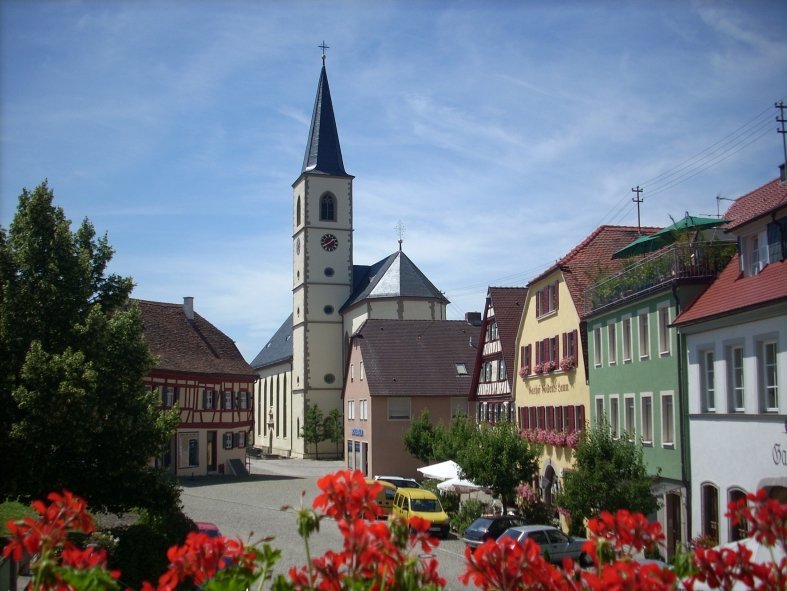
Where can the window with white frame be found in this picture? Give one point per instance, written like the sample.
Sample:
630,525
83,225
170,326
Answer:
646,418
208,399
735,377
769,378
626,340
351,409
667,420
612,356
352,372
501,370
597,347
398,408
664,330
614,416
228,400
644,335
629,418
168,395
599,410
361,369
363,409
707,381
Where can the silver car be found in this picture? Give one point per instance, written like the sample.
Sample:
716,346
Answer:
555,545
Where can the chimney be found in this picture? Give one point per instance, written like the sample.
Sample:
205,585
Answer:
783,173
473,318
188,307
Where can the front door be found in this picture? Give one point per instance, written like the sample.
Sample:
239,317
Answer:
674,524
211,451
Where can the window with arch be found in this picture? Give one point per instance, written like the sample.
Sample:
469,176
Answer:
710,512
298,212
328,208
737,532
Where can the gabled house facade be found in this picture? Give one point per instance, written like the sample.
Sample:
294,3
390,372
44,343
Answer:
736,344
635,364
492,388
552,394
200,370
396,370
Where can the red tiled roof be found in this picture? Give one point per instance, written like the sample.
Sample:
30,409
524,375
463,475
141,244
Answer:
733,292
508,303
592,258
194,346
759,202
417,357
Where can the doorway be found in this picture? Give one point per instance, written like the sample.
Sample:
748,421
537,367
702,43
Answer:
211,451
674,524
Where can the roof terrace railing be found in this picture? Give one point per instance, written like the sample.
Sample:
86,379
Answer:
699,260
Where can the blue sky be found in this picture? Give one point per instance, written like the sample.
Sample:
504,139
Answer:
499,133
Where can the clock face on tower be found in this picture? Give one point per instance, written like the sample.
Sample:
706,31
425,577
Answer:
329,242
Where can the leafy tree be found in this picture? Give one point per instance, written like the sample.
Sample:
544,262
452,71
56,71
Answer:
449,441
419,438
333,428
76,414
608,474
498,458
312,429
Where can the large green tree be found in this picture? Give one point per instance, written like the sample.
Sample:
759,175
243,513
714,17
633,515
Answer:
608,474
75,412
497,457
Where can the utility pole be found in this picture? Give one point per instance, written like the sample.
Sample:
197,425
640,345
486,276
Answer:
638,200
783,131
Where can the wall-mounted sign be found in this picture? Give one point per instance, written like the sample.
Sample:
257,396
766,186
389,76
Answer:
779,454
357,432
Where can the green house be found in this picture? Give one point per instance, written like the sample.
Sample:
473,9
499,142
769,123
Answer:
635,361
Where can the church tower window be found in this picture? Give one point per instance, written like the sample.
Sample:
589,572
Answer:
328,208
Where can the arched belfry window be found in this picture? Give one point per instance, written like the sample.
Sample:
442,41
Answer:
298,212
328,208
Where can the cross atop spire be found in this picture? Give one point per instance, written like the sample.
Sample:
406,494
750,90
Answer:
323,47
400,230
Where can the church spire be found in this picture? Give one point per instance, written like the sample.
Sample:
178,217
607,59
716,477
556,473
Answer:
323,153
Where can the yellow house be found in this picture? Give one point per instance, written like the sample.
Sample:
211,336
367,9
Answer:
551,390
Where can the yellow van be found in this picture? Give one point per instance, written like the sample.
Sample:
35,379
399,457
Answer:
410,502
385,497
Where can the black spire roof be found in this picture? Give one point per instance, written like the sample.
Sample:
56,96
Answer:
323,153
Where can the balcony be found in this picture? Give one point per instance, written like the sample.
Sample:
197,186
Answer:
679,261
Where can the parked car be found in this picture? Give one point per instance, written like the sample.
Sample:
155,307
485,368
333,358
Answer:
555,545
410,502
400,481
489,527
385,497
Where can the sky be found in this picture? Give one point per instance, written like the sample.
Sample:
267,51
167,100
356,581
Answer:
499,134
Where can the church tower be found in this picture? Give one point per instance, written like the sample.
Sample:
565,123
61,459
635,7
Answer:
322,267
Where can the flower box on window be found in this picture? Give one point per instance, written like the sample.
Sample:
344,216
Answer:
524,371
539,368
568,363
550,366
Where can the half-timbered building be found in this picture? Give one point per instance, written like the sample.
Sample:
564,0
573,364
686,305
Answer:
200,370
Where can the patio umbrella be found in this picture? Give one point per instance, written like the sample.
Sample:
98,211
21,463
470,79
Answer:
458,485
668,235
442,471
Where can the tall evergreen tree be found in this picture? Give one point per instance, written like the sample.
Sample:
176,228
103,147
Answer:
312,429
76,414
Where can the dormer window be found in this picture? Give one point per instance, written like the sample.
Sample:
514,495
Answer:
461,369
